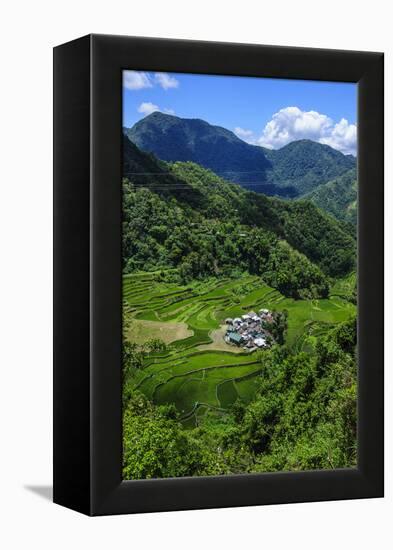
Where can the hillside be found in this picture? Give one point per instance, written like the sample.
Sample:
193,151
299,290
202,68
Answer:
215,228
145,169
291,171
172,138
338,197
305,164
197,252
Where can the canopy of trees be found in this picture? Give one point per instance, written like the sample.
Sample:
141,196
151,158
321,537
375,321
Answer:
215,228
191,224
338,197
303,416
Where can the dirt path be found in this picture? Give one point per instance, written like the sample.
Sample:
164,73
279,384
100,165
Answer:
219,343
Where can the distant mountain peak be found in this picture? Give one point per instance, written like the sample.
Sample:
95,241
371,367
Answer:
157,117
293,170
173,138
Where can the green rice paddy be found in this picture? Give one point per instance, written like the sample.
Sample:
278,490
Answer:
197,380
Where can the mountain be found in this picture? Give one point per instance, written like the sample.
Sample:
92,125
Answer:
292,171
143,169
172,138
306,164
338,197
181,215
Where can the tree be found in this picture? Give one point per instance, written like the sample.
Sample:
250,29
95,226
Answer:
154,345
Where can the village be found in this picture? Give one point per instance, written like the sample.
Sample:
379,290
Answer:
251,331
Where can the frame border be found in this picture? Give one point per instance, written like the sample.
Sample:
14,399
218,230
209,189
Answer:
94,423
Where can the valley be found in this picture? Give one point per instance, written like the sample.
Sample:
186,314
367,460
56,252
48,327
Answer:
291,172
193,376
208,388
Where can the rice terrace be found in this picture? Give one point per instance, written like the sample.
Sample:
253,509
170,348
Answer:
199,372
239,280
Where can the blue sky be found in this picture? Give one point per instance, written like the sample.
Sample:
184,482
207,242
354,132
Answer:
262,111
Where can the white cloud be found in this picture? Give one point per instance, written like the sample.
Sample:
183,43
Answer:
291,123
134,80
146,108
166,81
138,80
343,137
245,135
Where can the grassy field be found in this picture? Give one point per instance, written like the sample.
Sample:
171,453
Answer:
198,371
167,332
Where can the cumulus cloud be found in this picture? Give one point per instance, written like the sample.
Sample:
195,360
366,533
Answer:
166,81
245,135
146,108
135,80
291,123
343,137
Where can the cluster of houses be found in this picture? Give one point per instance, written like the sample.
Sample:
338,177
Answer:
250,331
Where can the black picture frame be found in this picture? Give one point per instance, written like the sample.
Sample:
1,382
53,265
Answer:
87,274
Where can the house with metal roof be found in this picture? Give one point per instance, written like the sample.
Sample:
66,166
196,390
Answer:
234,338
260,342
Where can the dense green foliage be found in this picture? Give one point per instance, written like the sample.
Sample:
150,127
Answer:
302,416
197,250
305,164
198,372
338,197
143,169
291,171
346,288
216,228
324,241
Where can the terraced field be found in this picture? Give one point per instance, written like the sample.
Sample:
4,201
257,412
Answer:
192,373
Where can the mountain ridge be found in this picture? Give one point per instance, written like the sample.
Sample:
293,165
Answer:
292,171
248,219
338,197
173,139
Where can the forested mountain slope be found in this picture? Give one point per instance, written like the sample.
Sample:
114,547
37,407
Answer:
306,164
173,138
291,171
196,250
183,216
302,417
338,197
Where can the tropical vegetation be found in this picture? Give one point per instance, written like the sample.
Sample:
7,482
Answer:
198,249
